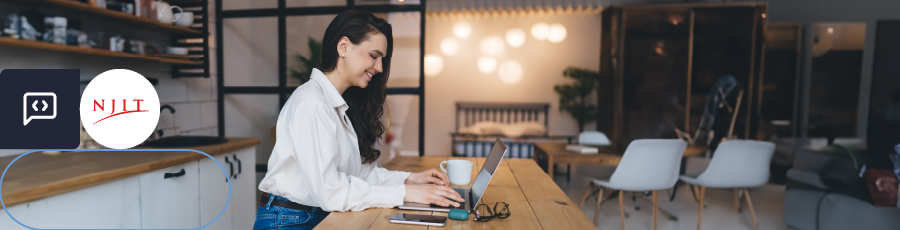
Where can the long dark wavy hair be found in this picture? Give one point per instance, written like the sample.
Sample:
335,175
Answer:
366,104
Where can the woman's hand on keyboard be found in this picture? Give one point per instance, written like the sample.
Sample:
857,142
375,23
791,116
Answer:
432,194
431,176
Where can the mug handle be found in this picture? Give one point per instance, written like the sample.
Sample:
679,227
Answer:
180,13
442,166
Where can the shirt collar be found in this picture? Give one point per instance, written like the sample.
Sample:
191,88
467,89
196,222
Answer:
331,93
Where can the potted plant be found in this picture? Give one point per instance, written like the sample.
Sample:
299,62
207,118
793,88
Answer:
573,98
305,64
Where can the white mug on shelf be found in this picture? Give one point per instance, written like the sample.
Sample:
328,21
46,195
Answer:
164,12
459,171
185,19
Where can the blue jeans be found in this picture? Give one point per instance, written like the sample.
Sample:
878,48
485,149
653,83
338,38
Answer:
270,217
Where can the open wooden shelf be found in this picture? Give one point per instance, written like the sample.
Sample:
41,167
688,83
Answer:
123,17
4,41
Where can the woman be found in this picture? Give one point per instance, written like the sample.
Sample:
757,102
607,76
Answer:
324,159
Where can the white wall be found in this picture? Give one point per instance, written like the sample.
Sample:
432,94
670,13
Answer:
542,61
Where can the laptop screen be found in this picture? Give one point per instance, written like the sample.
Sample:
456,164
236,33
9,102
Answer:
484,176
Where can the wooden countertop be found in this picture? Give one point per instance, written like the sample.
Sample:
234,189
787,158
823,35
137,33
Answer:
535,201
36,176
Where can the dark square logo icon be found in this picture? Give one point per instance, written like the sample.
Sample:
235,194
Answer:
39,108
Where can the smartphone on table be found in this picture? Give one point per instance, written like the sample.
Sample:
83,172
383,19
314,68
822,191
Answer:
403,218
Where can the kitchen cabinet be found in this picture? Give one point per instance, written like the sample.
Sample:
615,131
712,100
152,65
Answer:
244,189
18,211
184,196
241,211
113,205
214,193
170,197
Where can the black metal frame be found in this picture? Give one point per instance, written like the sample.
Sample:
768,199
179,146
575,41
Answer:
175,41
282,89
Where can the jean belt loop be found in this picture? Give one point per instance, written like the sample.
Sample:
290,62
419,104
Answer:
269,204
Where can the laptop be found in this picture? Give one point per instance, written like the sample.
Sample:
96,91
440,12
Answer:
474,193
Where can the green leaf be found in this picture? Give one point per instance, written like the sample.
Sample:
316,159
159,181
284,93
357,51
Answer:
573,98
304,65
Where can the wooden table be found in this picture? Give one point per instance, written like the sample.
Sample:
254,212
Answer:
535,201
557,153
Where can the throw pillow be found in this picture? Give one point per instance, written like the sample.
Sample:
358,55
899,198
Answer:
842,177
882,184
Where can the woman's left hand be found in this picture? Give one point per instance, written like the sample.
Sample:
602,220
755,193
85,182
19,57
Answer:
431,176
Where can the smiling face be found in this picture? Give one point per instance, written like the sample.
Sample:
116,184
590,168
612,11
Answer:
362,61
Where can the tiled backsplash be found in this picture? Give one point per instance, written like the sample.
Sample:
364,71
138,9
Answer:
194,100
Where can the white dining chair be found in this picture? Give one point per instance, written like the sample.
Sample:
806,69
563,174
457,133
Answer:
647,165
593,138
737,164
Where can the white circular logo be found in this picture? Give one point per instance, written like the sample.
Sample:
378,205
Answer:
119,109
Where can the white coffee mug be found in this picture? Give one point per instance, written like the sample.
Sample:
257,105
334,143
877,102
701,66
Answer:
185,19
459,171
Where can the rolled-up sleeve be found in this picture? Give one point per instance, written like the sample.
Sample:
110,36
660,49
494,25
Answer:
317,153
378,175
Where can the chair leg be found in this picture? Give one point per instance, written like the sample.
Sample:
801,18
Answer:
750,205
674,191
695,192
597,209
622,208
587,192
655,207
737,200
700,213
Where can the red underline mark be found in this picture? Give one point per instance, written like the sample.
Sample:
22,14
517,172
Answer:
133,111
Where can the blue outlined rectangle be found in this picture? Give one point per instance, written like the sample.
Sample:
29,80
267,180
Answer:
118,150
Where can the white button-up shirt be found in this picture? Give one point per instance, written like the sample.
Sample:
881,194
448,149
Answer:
316,159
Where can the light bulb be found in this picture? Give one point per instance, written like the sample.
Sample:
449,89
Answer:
515,37
487,64
449,46
510,72
557,33
539,31
433,65
462,29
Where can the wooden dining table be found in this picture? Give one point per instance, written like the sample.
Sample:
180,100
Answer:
535,201
554,153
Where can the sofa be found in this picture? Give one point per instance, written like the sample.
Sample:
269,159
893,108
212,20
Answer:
811,204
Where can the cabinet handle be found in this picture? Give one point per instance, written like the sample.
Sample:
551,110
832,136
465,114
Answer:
230,168
239,165
170,175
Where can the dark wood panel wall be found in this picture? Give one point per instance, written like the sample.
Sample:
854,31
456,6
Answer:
662,59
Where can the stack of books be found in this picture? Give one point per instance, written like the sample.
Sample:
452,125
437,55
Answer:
582,149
